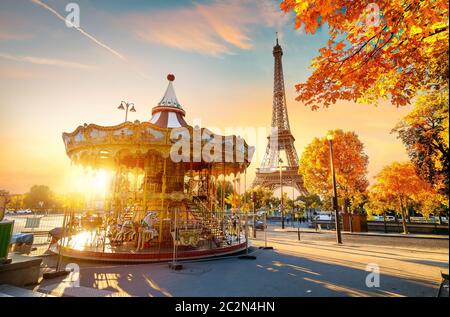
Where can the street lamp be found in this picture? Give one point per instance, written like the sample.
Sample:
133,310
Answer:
280,161
124,106
330,138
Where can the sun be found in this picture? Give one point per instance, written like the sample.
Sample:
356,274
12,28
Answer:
89,181
100,181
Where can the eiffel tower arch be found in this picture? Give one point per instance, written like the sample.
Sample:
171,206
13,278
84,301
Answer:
268,175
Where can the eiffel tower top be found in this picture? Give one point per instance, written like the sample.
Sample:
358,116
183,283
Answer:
277,48
280,117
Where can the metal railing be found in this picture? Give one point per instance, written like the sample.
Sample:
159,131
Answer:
38,225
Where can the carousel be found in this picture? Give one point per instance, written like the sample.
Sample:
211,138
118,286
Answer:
165,195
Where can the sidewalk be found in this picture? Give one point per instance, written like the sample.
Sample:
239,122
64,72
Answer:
374,234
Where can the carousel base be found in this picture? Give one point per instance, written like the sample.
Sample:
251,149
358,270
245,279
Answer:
154,254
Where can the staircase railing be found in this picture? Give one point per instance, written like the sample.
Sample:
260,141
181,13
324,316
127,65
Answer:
209,221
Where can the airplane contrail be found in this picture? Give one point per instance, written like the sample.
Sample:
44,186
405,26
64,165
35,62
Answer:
40,3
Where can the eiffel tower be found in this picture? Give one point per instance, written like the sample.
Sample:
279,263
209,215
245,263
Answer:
268,175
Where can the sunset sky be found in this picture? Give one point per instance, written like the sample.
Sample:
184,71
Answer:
54,78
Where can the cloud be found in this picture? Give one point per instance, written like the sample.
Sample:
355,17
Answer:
45,61
17,73
215,28
11,29
7,36
59,16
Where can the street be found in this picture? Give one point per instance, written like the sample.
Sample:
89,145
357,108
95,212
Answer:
315,266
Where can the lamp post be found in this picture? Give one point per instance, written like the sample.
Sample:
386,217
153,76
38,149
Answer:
330,139
280,161
124,106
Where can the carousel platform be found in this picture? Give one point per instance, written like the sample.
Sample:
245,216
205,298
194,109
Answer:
156,253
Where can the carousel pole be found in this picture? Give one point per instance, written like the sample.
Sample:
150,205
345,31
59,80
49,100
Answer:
238,202
57,272
246,256
163,194
233,207
174,265
210,191
144,198
222,194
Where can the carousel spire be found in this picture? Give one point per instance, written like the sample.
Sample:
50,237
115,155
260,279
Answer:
169,113
170,98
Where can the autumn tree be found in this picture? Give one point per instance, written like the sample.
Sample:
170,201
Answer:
424,132
396,186
16,202
378,203
350,163
432,203
387,49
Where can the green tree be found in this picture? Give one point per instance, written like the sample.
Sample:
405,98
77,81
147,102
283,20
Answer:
424,132
37,194
228,190
310,201
263,197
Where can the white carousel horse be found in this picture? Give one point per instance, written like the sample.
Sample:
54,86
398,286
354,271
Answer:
126,230
146,230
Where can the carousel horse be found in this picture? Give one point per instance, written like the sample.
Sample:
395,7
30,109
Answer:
125,231
111,226
146,230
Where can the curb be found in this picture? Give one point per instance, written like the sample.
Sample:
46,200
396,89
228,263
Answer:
408,236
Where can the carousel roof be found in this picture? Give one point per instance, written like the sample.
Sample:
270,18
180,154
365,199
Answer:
130,142
169,113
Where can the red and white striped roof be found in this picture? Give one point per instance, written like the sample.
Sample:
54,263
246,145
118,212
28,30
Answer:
169,113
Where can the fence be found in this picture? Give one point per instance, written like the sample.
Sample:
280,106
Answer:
37,225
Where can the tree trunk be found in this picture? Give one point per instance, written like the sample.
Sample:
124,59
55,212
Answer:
405,227
347,209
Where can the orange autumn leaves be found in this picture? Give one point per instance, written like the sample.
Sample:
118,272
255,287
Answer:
385,51
398,187
350,164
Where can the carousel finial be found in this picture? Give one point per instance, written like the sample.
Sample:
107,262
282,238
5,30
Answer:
171,77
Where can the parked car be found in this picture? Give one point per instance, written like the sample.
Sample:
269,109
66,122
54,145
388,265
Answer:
259,225
323,218
418,219
435,219
24,211
381,218
378,218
